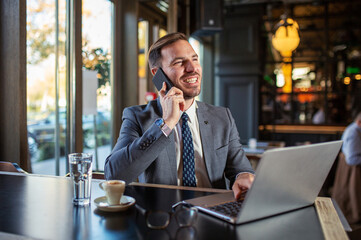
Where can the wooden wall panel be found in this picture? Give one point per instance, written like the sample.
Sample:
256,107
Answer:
240,96
237,71
13,130
124,73
238,42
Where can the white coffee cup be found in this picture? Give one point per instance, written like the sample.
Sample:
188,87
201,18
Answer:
114,190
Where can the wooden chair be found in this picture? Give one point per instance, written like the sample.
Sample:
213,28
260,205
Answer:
11,167
346,190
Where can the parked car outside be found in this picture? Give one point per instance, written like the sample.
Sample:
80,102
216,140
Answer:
41,135
33,147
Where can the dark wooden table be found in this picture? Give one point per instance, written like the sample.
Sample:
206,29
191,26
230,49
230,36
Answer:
40,207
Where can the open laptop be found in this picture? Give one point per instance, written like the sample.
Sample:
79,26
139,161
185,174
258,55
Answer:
286,179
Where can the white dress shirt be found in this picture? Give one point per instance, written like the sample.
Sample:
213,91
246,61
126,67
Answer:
202,178
351,146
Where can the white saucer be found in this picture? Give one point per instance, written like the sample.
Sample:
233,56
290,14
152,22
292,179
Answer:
125,203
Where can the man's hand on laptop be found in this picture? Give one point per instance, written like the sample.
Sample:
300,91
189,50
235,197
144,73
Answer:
243,183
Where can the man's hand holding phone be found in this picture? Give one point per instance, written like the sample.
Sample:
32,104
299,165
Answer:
172,103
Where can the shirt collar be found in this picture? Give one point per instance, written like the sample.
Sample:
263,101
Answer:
191,111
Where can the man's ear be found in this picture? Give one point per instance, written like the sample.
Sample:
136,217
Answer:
154,70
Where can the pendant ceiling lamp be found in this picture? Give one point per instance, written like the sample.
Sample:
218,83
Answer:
286,39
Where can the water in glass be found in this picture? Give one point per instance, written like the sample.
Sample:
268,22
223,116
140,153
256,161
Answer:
81,174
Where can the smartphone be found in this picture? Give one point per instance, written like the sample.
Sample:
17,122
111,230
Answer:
160,77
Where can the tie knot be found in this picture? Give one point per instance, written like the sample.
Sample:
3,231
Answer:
185,117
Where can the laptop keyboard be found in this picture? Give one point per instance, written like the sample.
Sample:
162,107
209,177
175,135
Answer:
230,208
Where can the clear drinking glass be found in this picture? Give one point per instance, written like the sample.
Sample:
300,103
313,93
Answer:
80,165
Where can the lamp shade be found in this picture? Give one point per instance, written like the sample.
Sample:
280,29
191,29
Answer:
286,37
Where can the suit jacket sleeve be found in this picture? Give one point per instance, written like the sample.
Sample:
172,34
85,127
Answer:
138,145
237,161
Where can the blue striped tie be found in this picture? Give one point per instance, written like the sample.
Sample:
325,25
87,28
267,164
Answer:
188,154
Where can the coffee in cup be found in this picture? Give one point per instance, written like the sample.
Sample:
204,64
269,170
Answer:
114,190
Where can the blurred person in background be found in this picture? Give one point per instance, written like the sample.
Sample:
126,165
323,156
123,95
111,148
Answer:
347,186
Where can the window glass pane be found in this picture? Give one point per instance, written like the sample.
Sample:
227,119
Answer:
143,27
162,32
41,84
96,30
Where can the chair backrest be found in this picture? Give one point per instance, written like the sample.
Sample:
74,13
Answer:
96,175
11,167
276,144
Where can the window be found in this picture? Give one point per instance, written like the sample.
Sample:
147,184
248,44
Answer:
46,82
143,96
45,79
96,30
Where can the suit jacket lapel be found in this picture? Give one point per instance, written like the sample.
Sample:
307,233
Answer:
170,151
172,160
205,128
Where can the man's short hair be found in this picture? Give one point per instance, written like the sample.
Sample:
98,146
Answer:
154,53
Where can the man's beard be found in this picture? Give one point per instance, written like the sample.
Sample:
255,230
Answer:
194,93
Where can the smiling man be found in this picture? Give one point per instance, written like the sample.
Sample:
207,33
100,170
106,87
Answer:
175,139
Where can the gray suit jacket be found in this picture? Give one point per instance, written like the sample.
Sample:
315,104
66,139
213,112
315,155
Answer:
143,151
